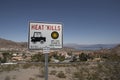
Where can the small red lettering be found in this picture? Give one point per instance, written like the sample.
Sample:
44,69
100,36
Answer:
54,28
58,28
34,26
37,27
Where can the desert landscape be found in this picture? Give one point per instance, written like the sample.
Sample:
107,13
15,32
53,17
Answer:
59,39
75,71
19,63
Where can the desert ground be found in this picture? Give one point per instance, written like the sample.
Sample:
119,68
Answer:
72,71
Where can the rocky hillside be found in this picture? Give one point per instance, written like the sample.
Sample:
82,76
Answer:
11,44
116,49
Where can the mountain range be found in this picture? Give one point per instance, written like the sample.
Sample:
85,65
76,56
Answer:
4,43
90,46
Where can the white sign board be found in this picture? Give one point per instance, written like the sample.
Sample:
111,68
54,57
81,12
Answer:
45,35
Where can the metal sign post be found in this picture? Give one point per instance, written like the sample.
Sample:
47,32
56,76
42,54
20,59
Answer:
46,50
46,66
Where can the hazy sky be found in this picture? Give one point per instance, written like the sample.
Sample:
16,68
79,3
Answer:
84,21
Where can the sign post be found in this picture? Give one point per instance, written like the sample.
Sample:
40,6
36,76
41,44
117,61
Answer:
46,50
45,36
46,66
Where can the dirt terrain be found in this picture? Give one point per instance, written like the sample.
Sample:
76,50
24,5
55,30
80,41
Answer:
31,72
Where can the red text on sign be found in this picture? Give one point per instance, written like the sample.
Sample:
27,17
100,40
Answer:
57,28
37,27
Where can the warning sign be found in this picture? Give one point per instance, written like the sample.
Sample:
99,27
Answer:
45,35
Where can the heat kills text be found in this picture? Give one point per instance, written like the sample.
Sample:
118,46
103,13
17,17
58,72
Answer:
46,27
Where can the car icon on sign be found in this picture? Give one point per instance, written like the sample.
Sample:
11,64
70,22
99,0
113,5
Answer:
37,37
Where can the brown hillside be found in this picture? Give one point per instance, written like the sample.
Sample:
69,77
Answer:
11,44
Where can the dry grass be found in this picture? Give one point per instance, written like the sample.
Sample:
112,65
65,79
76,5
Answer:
77,71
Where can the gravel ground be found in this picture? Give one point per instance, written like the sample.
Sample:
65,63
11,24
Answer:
36,73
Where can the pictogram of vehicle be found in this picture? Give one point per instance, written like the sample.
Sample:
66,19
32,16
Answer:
37,37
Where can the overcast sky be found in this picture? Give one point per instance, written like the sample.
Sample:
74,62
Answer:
84,21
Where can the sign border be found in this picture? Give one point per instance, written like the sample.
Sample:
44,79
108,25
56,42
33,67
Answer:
44,23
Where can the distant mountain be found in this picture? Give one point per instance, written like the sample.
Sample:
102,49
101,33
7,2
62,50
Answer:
90,47
4,43
11,44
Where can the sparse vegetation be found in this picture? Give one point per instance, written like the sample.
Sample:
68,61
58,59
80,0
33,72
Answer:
83,57
101,65
27,65
53,72
42,73
100,71
14,77
6,57
59,57
61,74
79,71
38,58
31,78
7,78
8,67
